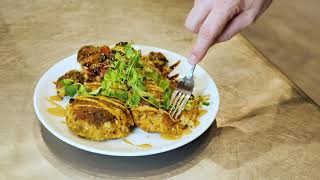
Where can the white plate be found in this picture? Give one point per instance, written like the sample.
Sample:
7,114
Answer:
45,88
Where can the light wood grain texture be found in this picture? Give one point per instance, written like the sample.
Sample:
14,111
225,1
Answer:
288,34
265,128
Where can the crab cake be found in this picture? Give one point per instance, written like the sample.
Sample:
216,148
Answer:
151,119
98,118
88,55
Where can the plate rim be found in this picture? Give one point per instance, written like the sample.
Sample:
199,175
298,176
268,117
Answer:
126,154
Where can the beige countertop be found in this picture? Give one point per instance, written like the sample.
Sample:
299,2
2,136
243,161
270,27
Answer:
265,129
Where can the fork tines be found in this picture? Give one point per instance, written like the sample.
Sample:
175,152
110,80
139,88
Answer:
178,101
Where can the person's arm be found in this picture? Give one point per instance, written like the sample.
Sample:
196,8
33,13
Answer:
218,20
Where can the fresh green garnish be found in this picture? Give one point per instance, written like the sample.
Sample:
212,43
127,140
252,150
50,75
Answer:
144,94
189,105
67,81
152,74
83,91
206,103
70,89
166,98
164,84
117,56
133,100
121,94
152,99
125,80
129,50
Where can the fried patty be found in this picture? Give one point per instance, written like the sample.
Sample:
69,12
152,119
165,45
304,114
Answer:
151,119
89,55
98,118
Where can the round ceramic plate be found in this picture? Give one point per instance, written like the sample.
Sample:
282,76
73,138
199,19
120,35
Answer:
204,85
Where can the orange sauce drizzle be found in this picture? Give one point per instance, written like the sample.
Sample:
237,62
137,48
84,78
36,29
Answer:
170,136
57,110
201,112
56,98
175,137
185,131
145,146
128,142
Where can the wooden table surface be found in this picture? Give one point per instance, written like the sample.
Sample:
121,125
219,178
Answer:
265,129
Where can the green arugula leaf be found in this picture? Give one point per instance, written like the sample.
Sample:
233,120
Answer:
67,81
164,84
110,92
133,100
144,94
83,91
121,94
118,56
189,105
206,103
153,100
166,98
154,75
129,51
70,89
120,67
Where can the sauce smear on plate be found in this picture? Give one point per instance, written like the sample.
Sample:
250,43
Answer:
145,146
185,131
175,137
201,112
56,98
170,136
57,110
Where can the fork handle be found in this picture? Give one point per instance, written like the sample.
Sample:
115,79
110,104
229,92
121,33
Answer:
190,74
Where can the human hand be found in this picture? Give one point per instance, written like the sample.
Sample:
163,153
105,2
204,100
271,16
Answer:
218,20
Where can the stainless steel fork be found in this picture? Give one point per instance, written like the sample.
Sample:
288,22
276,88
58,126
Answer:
182,93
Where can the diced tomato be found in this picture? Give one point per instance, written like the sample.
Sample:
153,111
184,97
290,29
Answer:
105,50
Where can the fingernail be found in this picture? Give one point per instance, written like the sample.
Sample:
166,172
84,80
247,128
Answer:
192,59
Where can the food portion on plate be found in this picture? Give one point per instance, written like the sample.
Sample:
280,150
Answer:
118,88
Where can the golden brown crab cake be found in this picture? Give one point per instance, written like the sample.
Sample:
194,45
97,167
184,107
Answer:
188,118
151,119
88,55
98,118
